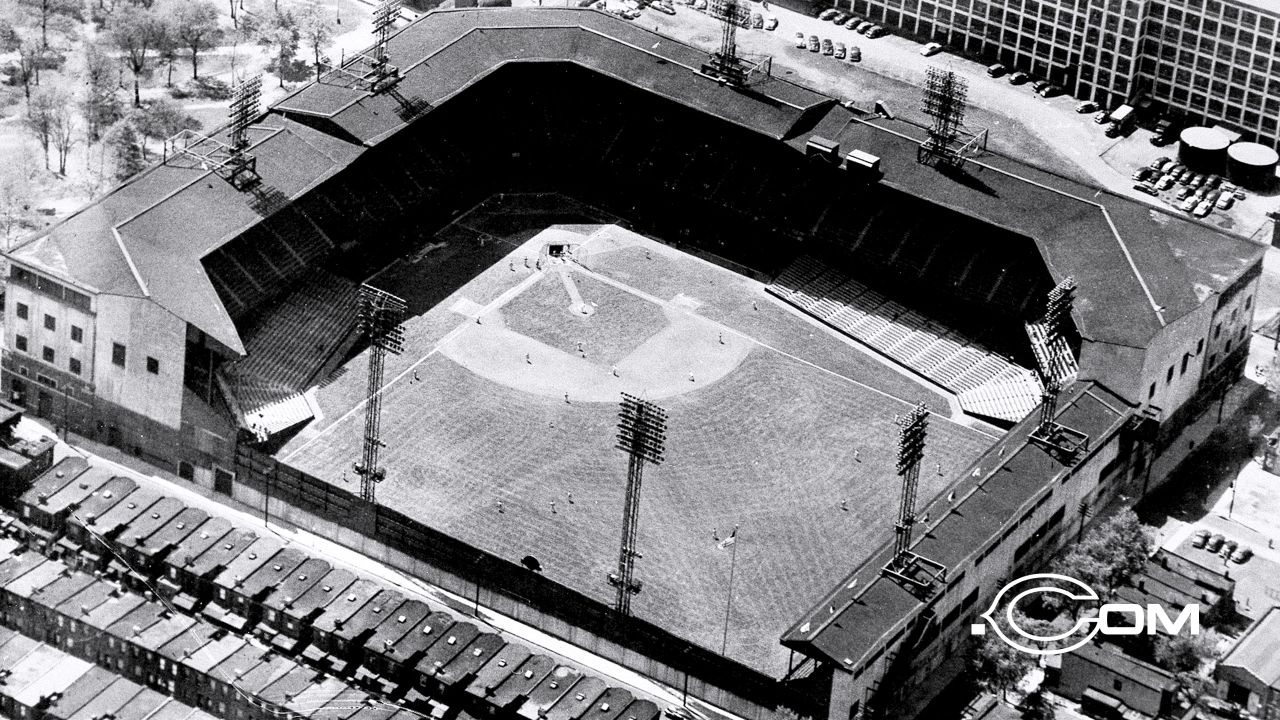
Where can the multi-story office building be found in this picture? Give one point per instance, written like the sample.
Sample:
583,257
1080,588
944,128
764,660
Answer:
1210,60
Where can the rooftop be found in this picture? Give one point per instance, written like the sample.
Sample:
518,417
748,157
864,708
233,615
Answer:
1258,650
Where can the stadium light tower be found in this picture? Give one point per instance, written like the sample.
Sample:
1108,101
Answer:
378,320
725,65
642,433
371,71
915,572
1055,366
230,160
946,99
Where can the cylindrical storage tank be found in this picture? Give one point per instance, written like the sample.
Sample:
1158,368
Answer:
1203,149
1251,165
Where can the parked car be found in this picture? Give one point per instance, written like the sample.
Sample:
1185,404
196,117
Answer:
1142,173
1242,555
1102,117
1229,187
1226,201
1199,180
839,18
864,26
827,14
1165,182
757,21
1018,78
771,23
700,5
876,31
853,22
1203,208
1113,130
1215,543
1086,107
855,53
1229,547
827,47
931,49
1160,163
1144,187
814,45
839,53
664,8
1183,193
800,41
1039,85
1200,537
996,70
1178,169
1189,204
1215,181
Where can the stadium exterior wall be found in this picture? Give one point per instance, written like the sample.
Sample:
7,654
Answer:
284,493
906,677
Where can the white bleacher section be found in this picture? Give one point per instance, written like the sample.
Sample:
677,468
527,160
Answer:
287,348
986,383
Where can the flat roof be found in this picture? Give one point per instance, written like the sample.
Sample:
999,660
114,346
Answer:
87,687
103,499
1258,650
214,653
1116,661
169,535
131,626
468,662
385,604
500,666
65,587
183,646
57,678
49,482
38,577
310,572
123,513
578,701
317,696
223,553
269,575
74,493
110,610
163,631
15,566
610,705
200,540
138,531
146,702
396,625
248,560
447,647
521,682
422,636
271,668
110,700
554,686
866,608
340,610
29,667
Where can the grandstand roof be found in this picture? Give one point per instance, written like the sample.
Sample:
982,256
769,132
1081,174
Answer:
1138,267
866,609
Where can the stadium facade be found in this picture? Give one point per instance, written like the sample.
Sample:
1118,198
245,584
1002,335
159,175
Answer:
126,321
1212,61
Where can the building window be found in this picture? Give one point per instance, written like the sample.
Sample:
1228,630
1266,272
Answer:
77,334
1242,331
1168,376
1151,391
20,342
1217,330
1199,347
1117,685
1213,359
186,470
47,354
23,311
50,323
75,366
117,354
153,366
1248,303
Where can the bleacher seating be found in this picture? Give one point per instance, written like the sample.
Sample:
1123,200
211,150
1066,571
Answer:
906,336
291,343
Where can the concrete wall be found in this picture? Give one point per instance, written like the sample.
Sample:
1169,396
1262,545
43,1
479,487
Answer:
146,330
39,337
1172,369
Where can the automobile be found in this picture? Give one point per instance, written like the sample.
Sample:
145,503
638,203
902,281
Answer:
827,14
1229,547
1242,555
864,26
700,5
1178,169
1215,543
1211,195
931,49
814,45
1200,538
1229,187
1199,180
876,31
1086,107
1018,78
1165,182
1238,194
1215,181
1102,117
1159,163
1226,201
1144,187
827,47
757,21
855,53
1050,91
853,22
996,70
1142,173
665,8
1183,193
1189,204
1039,85
839,53
771,23
1113,130
1203,208
840,17
800,41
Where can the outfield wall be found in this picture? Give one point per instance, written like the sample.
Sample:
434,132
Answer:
284,493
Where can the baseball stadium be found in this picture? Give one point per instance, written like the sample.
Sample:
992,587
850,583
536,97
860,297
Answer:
572,209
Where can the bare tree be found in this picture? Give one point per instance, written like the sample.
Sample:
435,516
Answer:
62,126
195,26
39,118
317,32
136,31
50,11
15,202
29,54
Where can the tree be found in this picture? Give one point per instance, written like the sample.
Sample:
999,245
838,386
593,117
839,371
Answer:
51,11
317,32
15,202
163,118
100,107
136,31
39,118
29,54
1182,653
280,35
1038,706
62,128
9,40
996,666
194,25
126,150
